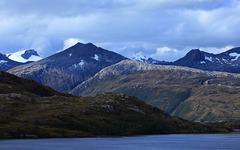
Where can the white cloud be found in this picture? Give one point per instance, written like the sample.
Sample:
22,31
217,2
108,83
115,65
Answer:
70,42
165,50
175,4
121,25
41,44
166,54
216,50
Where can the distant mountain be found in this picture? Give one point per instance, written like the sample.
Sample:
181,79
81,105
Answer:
12,60
143,58
31,110
65,70
6,63
24,56
181,91
228,61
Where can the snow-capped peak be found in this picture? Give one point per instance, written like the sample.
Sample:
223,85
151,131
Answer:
139,57
24,56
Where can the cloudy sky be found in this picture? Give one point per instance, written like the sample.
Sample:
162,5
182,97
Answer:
162,29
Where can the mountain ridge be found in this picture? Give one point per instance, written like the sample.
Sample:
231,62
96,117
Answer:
170,88
225,62
66,69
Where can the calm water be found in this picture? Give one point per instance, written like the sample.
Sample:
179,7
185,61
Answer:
152,142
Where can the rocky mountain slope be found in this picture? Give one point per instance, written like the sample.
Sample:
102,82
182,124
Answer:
185,92
228,61
31,110
65,70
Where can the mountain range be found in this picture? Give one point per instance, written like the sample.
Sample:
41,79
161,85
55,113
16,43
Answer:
228,61
31,110
65,70
85,69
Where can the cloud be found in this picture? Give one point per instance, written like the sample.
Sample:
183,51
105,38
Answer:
215,50
166,54
120,25
41,44
164,50
178,4
70,42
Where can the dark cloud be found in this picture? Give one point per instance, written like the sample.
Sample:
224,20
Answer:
160,28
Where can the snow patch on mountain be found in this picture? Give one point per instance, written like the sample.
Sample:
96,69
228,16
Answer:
3,61
235,55
225,61
96,57
24,56
80,64
208,58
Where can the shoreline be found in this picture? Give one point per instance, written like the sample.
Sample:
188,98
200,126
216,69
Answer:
116,136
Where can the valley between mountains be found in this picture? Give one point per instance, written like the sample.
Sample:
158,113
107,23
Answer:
198,87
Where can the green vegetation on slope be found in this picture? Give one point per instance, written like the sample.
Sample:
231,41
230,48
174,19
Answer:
211,102
30,112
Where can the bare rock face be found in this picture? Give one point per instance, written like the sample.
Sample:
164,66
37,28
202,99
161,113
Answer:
65,70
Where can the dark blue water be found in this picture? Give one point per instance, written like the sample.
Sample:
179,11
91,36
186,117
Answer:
152,142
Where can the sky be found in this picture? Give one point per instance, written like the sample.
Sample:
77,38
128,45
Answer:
162,29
